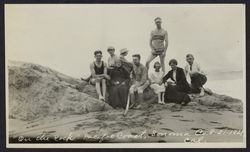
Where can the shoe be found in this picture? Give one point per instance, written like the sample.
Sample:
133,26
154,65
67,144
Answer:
101,98
202,93
208,91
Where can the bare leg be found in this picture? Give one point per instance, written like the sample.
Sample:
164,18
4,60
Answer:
162,99
150,58
104,88
159,97
132,96
162,60
98,89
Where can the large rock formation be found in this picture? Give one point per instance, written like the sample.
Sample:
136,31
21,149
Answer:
36,91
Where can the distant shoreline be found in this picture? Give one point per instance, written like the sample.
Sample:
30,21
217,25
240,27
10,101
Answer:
225,75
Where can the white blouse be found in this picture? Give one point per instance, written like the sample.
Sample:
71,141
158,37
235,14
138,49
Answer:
155,77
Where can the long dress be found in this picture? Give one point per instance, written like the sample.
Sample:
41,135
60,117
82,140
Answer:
119,87
177,93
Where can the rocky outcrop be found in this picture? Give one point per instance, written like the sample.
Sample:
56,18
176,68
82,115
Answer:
36,91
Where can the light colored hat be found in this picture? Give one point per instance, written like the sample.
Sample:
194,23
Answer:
124,50
157,19
110,48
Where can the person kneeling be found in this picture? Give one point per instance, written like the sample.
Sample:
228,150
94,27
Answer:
197,76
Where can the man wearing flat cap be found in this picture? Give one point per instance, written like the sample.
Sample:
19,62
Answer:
126,64
158,44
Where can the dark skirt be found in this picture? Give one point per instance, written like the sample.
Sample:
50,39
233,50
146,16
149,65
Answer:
173,95
197,81
118,95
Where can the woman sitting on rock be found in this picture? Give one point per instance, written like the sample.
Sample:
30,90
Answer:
155,82
178,87
119,85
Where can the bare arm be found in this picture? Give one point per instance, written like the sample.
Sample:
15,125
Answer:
144,76
166,77
99,75
92,70
166,42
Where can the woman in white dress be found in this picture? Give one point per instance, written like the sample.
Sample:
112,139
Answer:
155,78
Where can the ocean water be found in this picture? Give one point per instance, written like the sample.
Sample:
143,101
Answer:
229,83
234,87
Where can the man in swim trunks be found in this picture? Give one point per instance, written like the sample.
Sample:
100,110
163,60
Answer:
99,75
157,39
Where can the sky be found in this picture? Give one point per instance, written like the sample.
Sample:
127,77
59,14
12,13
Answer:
64,36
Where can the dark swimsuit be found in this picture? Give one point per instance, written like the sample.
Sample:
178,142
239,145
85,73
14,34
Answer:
99,70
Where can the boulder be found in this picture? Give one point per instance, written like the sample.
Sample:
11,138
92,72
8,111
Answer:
37,91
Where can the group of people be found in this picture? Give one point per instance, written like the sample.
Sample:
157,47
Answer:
123,79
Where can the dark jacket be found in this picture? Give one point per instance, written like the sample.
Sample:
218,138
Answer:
181,81
119,75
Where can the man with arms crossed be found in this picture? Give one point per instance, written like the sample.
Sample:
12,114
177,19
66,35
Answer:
99,74
157,39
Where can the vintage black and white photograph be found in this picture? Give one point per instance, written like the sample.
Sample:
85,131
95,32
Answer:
125,75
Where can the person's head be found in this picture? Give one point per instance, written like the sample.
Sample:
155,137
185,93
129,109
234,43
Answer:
173,64
136,59
118,63
98,55
158,22
111,50
190,59
157,66
124,52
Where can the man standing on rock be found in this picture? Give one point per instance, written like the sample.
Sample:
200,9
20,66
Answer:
157,39
197,76
99,74
139,81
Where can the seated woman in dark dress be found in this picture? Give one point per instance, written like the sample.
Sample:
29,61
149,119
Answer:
178,87
119,86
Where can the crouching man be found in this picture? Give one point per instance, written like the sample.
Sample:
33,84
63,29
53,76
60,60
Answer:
139,81
197,76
